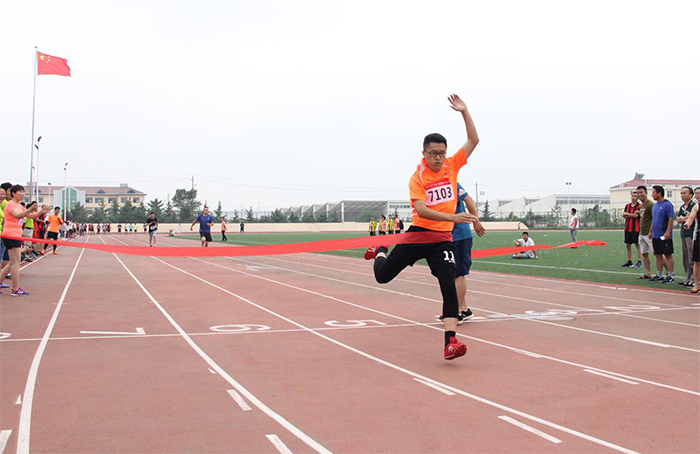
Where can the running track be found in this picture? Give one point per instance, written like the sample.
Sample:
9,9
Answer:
306,353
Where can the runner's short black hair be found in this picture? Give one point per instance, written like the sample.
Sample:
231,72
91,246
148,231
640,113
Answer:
433,138
16,188
642,187
525,233
660,190
6,186
688,188
574,210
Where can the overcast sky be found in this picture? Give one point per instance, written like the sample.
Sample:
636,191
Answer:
294,102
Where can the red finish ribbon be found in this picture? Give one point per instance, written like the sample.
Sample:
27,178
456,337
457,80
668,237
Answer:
296,248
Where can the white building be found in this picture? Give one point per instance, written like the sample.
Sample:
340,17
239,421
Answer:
555,203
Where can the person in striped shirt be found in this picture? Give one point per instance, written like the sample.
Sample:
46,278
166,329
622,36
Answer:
631,216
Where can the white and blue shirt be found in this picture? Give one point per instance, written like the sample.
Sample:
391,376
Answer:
461,231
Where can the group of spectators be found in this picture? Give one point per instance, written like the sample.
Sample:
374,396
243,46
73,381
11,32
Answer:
649,228
393,225
22,220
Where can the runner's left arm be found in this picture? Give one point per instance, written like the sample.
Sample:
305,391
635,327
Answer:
472,137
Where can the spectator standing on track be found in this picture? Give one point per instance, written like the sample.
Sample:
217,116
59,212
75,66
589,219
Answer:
574,225
119,229
205,222
13,214
631,216
462,238
372,227
152,227
382,225
223,230
433,193
646,210
55,223
390,226
522,242
662,235
398,225
242,228
687,235
694,217
4,257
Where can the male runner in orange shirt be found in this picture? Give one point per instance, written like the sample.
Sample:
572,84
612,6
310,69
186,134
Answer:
433,189
55,221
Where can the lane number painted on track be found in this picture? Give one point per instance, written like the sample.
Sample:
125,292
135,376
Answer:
351,323
4,335
238,328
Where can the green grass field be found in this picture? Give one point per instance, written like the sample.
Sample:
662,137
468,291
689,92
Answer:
596,264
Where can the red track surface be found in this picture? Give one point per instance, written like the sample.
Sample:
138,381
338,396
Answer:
307,353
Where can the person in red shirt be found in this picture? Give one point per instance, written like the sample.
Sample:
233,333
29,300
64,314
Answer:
433,191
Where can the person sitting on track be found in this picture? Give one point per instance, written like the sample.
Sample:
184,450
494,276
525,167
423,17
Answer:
433,192
524,241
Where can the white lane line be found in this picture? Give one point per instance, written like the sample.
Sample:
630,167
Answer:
387,363
560,325
435,387
238,399
25,418
19,400
254,400
526,353
478,339
532,430
430,284
610,376
4,436
222,333
137,332
281,447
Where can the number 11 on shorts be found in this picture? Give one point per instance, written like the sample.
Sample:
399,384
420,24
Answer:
449,256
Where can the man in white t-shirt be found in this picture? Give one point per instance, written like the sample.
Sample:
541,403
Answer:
524,241
573,224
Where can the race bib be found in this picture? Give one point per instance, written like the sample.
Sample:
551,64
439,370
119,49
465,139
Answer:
439,192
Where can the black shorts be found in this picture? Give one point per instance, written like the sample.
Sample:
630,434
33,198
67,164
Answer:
52,235
664,247
372,233
463,256
438,255
11,244
631,237
206,236
696,250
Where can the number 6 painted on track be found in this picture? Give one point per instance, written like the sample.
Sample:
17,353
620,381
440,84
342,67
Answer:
238,328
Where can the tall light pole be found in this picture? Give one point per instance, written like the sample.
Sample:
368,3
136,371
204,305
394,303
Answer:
65,190
568,193
36,145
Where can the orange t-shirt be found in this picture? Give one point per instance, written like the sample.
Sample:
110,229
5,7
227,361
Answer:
223,226
438,189
55,222
13,226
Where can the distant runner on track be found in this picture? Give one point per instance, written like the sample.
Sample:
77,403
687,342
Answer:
55,221
205,223
152,224
433,191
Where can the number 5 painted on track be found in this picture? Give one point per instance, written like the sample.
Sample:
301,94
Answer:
238,328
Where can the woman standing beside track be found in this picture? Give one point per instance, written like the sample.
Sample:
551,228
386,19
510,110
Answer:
12,227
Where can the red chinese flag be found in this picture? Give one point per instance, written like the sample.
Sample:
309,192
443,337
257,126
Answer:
47,64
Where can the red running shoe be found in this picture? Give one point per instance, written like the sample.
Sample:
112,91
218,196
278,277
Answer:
455,349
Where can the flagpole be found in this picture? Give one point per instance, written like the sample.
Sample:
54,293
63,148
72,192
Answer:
31,159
